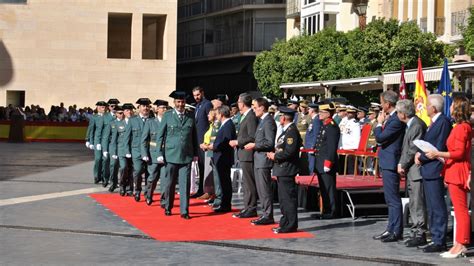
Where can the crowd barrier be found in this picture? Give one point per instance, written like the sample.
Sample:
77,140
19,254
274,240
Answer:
48,131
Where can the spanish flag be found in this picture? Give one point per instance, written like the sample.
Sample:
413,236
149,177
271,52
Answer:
421,97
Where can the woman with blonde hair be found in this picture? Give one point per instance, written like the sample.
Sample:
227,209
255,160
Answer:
457,174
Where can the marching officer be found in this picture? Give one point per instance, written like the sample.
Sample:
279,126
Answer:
285,168
149,151
134,136
109,118
112,148
96,142
90,143
326,159
177,142
120,148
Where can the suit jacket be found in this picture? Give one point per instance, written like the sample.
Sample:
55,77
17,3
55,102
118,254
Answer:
326,146
149,145
107,130
264,142
436,134
248,127
416,131
312,133
134,135
223,153
389,138
202,121
176,138
119,145
287,152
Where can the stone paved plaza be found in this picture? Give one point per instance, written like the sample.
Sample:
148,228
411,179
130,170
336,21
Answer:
38,225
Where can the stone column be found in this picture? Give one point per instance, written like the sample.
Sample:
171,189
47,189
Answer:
431,16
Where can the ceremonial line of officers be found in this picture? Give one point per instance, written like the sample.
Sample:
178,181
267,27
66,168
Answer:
264,141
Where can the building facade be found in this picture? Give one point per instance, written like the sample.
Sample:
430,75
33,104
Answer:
79,52
219,39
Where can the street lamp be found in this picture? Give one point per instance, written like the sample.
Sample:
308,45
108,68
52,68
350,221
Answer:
360,9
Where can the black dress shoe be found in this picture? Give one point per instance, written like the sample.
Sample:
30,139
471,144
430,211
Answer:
96,181
381,236
122,191
167,213
112,187
433,248
162,205
276,228
185,216
221,209
249,214
210,202
137,196
105,183
415,242
237,214
149,201
280,230
129,193
391,238
263,221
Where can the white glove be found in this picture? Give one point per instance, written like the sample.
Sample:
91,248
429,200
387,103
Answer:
98,147
105,154
91,147
88,144
128,155
161,160
115,157
326,169
145,158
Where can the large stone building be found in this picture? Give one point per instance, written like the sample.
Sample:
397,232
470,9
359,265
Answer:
219,39
78,52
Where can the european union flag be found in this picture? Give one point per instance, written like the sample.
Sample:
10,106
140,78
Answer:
445,89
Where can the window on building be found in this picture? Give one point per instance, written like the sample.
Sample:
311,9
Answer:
153,36
330,20
12,1
119,35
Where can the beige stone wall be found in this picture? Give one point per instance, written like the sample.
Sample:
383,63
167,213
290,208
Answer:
56,51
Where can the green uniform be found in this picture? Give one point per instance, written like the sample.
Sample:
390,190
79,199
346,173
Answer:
90,139
109,125
149,149
134,137
120,147
102,122
177,145
302,124
97,142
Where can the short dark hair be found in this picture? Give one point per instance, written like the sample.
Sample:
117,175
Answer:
224,111
289,116
246,99
198,88
263,102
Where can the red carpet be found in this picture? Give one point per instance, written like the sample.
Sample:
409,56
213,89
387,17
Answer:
205,225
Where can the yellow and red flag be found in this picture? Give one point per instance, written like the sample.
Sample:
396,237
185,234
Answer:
421,97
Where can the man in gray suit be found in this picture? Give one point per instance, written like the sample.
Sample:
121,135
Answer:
248,127
416,129
264,142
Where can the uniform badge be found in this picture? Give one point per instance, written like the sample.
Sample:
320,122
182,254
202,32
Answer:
289,141
121,127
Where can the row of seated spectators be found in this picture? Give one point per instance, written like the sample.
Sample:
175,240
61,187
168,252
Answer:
55,114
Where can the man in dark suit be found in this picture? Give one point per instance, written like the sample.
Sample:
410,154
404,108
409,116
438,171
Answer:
203,106
285,168
433,184
312,134
223,157
416,129
247,129
326,159
389,134
264,142
177,144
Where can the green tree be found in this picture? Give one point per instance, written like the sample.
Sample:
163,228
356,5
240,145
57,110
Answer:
468,34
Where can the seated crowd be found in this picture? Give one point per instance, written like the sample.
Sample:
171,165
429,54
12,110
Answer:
56,113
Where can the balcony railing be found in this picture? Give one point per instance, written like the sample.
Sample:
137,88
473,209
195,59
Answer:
293,8
439,26
218,5
458,21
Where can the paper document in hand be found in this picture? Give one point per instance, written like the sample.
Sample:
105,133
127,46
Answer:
425,146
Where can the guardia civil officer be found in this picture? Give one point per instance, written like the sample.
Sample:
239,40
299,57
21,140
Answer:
108,123
326,159
285,168
177,144
137,123
149,150
96,141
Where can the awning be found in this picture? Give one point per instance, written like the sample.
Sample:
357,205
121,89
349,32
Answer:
319,87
